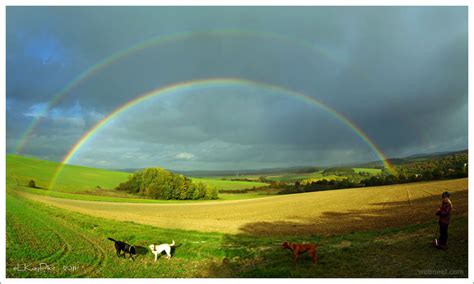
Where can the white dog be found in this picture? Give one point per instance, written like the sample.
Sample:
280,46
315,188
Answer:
159,249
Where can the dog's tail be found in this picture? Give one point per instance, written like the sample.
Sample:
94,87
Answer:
172,244
112,240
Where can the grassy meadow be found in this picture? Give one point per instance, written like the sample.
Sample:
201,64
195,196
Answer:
73,179
383,231
44,241
229,184
84,183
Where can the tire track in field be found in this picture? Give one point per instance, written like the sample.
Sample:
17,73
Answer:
68,234
101,260
64,248
101,256
34,217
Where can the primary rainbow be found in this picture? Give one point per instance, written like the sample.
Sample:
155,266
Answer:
209,83
161,40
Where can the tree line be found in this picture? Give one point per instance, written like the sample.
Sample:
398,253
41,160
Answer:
158,183
448,167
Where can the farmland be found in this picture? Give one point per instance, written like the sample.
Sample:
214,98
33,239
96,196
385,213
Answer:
97,184
338,211
293,177
385,230
229,185
250,137
71,244
88,181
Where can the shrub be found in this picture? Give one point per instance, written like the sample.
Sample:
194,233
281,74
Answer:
32,183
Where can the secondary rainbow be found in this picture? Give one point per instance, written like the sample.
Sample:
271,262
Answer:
162,40
215,82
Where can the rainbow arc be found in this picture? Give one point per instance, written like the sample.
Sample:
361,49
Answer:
213,82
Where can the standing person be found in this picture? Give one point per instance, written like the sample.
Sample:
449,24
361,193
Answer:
444,213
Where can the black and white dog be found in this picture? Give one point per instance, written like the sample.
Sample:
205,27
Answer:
122,246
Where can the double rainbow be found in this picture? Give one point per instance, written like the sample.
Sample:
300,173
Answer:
168,39
189,85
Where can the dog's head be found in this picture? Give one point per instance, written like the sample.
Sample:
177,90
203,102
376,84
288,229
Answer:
133,250
285,245
152,247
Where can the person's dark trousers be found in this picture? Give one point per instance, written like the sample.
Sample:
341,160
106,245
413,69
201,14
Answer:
443,234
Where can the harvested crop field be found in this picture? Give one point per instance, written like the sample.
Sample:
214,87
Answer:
327,212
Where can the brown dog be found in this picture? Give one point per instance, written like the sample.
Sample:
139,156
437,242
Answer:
298,249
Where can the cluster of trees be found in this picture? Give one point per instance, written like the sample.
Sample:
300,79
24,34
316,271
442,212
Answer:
244,190
452,166
319,185
259,179
158,183
264,179
243,179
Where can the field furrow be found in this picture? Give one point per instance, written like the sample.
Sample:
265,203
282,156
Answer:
26,235
49,249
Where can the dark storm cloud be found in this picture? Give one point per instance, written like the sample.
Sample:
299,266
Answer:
399,73
236,126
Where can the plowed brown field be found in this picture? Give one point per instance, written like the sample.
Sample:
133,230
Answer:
326,212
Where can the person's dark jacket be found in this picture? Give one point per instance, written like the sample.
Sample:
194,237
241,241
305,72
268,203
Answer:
444,212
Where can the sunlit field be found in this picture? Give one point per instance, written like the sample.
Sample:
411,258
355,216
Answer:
234,238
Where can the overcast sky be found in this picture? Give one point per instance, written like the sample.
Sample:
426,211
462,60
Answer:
398,73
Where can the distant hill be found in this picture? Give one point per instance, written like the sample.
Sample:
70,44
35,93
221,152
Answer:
216,173
435,155
72,178
408,159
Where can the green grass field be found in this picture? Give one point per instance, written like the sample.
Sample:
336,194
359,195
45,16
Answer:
229,184
85,183
43,241
72,179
